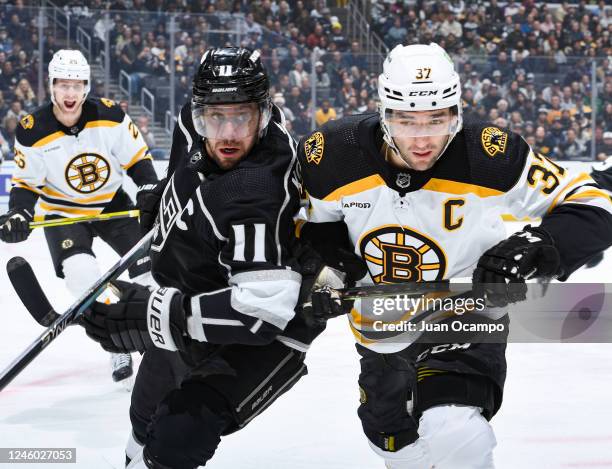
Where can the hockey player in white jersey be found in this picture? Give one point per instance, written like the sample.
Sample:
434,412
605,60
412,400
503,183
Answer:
421,197
71,156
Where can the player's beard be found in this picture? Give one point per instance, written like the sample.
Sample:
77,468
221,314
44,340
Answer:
228,153
421,158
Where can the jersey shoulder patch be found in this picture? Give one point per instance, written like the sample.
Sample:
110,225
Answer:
103,109
496,156
333,156
37,126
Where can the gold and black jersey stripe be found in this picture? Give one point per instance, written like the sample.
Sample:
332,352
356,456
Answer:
41,128
347,156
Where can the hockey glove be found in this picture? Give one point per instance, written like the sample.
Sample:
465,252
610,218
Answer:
140,320
319,298
15,225
502,270
148,198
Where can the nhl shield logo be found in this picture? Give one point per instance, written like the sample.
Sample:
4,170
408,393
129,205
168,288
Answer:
493,141
313,147
402,180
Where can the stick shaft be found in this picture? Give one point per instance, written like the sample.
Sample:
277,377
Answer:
84,219
70,316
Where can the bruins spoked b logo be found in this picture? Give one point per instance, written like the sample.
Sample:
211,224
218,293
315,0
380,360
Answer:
396,254
87,172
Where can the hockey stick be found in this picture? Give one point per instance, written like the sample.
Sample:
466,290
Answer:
42,223
393,289
31,294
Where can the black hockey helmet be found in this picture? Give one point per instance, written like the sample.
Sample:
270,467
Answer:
231,75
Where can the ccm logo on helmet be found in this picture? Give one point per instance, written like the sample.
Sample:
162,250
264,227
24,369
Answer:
423,93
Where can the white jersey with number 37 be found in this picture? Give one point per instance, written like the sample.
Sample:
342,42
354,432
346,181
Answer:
433,225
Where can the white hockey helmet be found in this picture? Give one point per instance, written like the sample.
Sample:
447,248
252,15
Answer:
419,78
69,64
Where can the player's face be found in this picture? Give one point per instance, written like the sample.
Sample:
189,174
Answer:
230,131
69,96
421,136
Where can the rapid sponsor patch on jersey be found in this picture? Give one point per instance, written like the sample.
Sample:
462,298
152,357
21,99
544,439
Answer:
313,147
87,172
493,141
397,254
27,122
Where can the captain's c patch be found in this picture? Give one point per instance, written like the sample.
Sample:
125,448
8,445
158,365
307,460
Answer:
493,141
313,147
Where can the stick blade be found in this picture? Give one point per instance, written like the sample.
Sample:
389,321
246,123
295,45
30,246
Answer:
30,293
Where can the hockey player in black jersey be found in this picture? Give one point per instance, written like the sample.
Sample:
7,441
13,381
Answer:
221,336
421,197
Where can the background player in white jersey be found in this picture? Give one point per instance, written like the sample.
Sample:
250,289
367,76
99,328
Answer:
71,157
420,198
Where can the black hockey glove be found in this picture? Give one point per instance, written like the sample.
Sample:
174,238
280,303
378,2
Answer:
319,299
502,270
15,225
140,320
147,201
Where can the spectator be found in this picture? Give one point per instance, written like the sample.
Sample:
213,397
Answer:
451,26
337,37
279,100
9,129
132,54
543,143
492,97
552,90
297,75
325,113
555,109
123,104
143,125
16,110
296,99
604,151
352,107
396,33
8,78
25,93
356,58
570,148
322,81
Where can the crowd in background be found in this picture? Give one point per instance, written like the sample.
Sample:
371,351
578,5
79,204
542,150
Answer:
523,65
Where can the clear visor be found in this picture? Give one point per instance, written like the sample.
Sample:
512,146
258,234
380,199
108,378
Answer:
421,123
77,87
226,122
